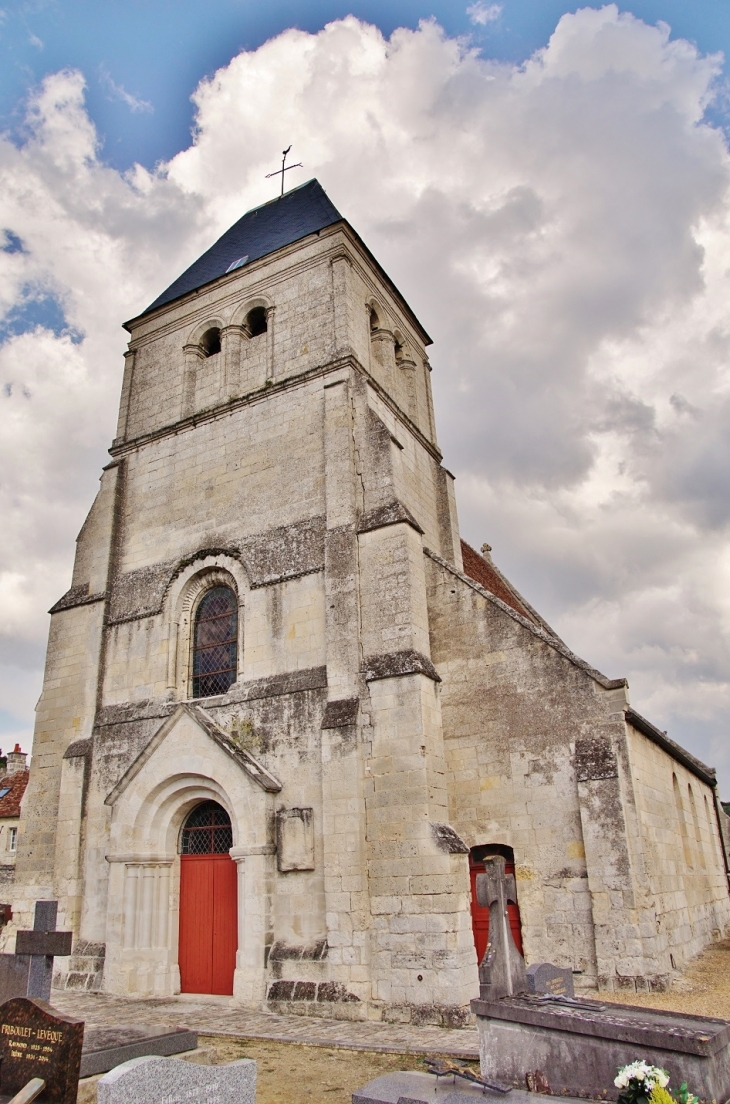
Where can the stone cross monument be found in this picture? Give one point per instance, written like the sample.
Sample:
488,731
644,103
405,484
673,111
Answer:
502,970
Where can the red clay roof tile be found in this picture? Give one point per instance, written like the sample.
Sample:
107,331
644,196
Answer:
484,573
10,803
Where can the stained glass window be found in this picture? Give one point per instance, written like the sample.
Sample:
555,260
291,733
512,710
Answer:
214,643
207,831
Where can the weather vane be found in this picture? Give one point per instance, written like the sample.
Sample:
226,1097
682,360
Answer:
284,168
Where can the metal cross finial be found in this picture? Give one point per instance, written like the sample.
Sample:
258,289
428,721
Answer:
284,168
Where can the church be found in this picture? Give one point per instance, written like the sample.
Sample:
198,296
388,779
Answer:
287,712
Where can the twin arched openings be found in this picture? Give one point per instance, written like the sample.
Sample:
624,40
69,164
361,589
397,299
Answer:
255,323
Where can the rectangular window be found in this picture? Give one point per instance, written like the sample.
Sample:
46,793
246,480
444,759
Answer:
12,838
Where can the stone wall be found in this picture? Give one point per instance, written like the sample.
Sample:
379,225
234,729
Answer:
540,759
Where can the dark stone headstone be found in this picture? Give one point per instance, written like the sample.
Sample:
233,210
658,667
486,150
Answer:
502,970
35,1041
14,971
28,972
42,943
543,977
107,1047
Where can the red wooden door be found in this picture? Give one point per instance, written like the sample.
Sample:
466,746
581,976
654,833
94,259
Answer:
208,923
480,915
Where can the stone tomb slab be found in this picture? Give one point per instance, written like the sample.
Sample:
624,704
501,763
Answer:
36,1041
107,1047
579,1047
173,1081
391,1088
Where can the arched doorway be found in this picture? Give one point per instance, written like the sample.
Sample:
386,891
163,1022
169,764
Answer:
480,915
208,902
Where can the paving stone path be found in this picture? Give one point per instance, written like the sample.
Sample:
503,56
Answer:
222,1017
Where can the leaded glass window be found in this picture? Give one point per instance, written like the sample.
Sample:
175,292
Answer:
214,642
207,831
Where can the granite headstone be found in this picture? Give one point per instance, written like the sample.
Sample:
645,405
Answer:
543,977
174,1081
36,1041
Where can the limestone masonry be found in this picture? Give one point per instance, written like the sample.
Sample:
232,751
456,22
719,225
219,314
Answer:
282,692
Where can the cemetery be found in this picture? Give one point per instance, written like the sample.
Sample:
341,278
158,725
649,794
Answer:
535,1037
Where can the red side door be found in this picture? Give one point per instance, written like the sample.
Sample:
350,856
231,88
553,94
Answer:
480,916
208,923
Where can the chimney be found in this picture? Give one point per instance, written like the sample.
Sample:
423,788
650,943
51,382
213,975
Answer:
16,760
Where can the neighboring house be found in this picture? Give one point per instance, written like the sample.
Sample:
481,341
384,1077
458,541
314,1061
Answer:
13,780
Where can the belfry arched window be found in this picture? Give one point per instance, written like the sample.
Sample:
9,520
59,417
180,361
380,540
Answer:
210,342
256,321
215,649
207,831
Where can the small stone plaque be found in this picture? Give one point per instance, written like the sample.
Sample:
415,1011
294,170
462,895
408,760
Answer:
543,977
35,1041
174,1081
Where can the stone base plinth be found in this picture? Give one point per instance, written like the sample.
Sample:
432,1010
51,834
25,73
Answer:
580,1048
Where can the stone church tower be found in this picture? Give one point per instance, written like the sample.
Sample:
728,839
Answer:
287,713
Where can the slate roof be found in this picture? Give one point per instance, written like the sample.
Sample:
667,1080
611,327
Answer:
10,803
282,221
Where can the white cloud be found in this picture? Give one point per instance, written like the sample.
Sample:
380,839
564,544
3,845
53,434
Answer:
481,13
563,230
118,92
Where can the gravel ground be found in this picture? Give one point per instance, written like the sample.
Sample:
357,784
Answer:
704,990
290,1074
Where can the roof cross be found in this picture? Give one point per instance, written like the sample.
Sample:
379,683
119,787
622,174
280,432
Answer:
284,168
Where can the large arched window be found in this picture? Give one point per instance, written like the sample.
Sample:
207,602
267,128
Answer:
214,642
207,831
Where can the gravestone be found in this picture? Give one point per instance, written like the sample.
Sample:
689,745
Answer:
543,977
35,1041
29,972
394,1088
41,944
107,1047
174,1081
579,1045
502,970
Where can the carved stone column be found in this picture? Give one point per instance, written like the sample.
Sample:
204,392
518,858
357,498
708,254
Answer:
407,366
232,338
270,342
140,956
382,343
249,979
193,356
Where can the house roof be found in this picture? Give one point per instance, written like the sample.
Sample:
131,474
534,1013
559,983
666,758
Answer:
10,802
304,210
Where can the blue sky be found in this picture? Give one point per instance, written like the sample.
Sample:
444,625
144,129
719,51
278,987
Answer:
142,59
